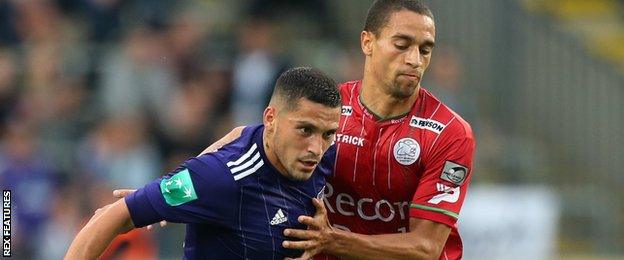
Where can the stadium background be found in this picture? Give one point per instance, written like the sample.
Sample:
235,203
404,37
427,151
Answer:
103,94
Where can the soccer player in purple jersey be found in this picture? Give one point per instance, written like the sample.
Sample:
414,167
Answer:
238,200
403,158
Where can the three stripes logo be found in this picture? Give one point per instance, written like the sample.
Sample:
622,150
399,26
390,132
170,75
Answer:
247,164
279,218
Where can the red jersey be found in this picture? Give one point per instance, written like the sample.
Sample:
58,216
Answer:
417,165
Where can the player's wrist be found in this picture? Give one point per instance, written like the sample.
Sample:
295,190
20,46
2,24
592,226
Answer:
335,242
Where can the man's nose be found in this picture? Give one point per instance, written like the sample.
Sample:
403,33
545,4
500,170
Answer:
315,146
413,58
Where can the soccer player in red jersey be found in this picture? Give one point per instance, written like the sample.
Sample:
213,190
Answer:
404,159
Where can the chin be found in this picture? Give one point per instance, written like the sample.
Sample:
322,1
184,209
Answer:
299,176
405,90
403,94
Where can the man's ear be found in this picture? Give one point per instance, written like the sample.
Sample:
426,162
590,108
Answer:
366,41
268,118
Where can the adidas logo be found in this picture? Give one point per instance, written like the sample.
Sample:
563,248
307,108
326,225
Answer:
279,218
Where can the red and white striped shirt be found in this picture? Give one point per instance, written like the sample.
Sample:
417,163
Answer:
417,165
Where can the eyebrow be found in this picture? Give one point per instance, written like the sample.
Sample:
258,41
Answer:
304,123
300,123
402,36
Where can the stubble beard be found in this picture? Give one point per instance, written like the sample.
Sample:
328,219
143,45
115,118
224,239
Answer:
403,92
290,172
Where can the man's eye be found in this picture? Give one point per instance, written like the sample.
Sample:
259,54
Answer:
425,51
305,131
328,136
401,47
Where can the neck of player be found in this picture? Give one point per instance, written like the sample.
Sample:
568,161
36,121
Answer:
271,156
383,104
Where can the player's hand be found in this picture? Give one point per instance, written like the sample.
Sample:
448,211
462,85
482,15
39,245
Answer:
121,193
117,194
316,238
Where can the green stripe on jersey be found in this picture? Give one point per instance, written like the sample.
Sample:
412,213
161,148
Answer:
178,189
445,212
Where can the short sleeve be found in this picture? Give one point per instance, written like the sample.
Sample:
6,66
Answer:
201,190
444,183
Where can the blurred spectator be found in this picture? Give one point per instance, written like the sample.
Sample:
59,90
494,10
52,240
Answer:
139,77
154,13
25,170
317,11
64,223
8,24
38,21
255,71
194,118
196,106
52,97
445,82
119,153
350,63
188,32
104,19
8,86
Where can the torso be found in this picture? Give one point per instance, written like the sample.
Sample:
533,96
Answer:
267,204
380,164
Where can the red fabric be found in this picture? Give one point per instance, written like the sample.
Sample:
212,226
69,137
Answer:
136,244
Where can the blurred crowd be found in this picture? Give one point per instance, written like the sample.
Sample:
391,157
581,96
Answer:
103,94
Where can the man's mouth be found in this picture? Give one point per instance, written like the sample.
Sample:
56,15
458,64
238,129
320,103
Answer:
309,163
410,75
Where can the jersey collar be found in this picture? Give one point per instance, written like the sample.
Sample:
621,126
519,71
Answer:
389,120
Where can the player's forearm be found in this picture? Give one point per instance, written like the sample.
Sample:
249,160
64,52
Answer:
93,239
347,245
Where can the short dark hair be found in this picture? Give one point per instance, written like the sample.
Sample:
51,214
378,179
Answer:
379,13
309,83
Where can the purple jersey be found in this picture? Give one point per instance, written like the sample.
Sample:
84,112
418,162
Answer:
235,203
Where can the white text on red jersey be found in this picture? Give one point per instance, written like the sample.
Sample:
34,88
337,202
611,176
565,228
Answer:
347,139
428,124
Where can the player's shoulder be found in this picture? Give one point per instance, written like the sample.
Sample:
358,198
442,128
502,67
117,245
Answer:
349,88
451,123
349,84
243,148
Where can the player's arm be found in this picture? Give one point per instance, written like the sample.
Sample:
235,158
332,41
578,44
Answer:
101,229
228,138
434,209
425,240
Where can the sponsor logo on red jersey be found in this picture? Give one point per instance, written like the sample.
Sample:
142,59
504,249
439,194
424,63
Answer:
348,139
365,208
450,195
346,110
427,124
